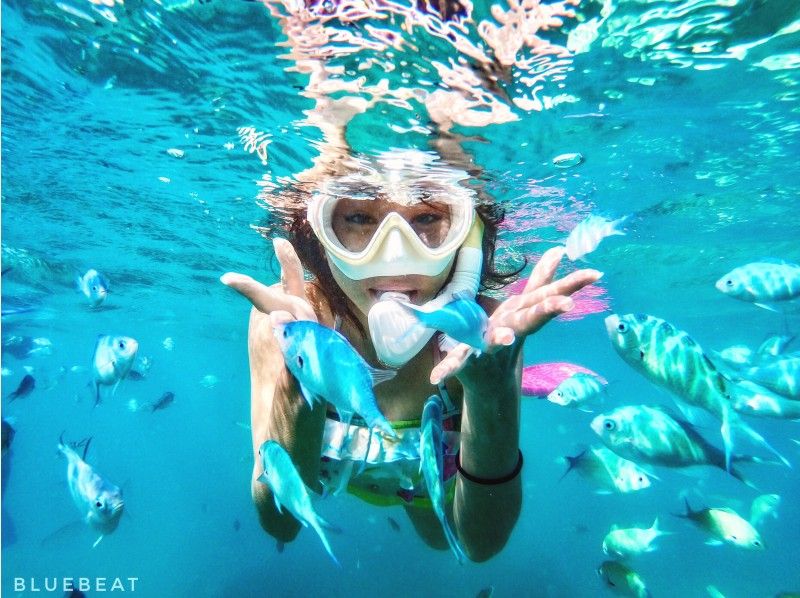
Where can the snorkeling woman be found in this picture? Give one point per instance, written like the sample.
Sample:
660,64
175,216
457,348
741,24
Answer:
375,233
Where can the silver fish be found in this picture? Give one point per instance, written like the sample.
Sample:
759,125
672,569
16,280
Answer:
671,358
653,436
99,501
586,236
724,525
762,282
431,465
113,358
93,286
288,489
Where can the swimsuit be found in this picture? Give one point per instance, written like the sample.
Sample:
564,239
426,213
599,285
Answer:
391,470
383,470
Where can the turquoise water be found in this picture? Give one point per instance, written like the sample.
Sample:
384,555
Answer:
687,116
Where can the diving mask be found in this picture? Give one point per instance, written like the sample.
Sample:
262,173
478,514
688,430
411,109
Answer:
415,231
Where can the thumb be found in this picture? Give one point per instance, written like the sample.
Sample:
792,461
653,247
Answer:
267,299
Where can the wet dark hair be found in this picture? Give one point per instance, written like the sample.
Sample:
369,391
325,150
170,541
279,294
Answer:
292,220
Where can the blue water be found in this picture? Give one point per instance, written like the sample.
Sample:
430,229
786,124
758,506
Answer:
687,115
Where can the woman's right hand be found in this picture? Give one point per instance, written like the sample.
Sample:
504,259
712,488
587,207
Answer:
284,301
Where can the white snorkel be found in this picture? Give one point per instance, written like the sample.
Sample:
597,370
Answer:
396,333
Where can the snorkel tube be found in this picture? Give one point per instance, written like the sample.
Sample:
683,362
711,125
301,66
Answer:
396,334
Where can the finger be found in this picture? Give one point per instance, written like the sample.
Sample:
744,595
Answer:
268,299
500,336
451,364
528,321
571,283
291,268
545,269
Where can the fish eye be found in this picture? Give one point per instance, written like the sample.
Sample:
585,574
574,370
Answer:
733,537
622,327
300,361
609,424
285,333
641,354
98,504
121,344
559,393
641,479
729,282
756,543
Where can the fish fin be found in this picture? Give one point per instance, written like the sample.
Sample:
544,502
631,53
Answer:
277,502
758,439
317,524
727,437
64,535
572,462
309,396
714,542
767,307
452,540
279,546
96,542
379,375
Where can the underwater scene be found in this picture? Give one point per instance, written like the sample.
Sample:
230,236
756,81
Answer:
650,150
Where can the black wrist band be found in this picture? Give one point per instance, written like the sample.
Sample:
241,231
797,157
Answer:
490,481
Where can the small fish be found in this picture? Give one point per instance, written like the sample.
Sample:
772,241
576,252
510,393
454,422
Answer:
288,489
751,399
568,160
609,471
762,282
209,381
736,356
622,580
586,236
98,500
113,359
26,386
651,435
781,375
393,524
168,343
486,592
163,402
725,526
627,542
576,390
763,506
327,367
462,319
672,359
431,466
8,434
93,286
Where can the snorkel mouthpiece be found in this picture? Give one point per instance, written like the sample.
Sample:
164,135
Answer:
396,333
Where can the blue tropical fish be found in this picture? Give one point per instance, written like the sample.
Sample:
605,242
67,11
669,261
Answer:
288,489
462,320
431,465
327,367
93,286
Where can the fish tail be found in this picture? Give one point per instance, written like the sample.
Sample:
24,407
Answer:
452,540
571,463
317,523
759,439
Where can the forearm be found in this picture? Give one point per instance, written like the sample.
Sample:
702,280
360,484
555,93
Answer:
278,412
485,514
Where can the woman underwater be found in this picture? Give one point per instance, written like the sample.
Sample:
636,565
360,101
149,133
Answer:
375,233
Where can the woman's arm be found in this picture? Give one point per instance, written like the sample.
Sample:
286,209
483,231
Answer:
279,412
485,513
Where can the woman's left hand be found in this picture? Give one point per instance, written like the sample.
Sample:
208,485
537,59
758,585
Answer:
542,300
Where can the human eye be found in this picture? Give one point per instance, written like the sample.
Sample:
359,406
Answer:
427,219
359,219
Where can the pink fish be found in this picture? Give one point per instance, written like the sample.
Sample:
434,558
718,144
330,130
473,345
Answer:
589,300
540,379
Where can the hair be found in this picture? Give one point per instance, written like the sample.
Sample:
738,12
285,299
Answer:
312,256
